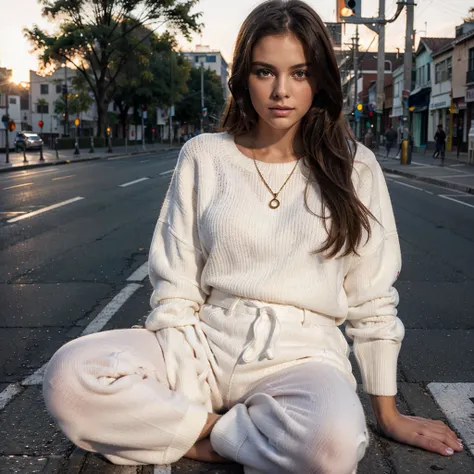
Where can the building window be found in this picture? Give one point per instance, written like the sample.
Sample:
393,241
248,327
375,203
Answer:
428,72
449,67
471,59
44,89
436,73
59,88
196,59
211,59
42,108
12,100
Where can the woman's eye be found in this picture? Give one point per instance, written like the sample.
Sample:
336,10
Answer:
263,73
301,74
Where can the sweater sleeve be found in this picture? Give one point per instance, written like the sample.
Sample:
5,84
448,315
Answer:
372,321
175,258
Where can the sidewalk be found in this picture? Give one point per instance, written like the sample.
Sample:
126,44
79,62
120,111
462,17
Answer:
457,175
68,156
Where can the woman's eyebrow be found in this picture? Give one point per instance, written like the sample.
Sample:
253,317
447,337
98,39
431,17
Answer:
270,66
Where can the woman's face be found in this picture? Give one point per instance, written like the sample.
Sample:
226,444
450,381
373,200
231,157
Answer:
280,84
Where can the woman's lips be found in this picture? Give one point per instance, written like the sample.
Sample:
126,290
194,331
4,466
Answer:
277,112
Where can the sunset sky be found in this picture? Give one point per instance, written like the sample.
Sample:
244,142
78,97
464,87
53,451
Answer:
222,19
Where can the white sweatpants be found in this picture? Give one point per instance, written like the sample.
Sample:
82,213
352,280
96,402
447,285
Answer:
279,374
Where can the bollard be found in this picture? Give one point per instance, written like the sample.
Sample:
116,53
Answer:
76,147
109,149
404,153
92,145
56,140
41,154
24,155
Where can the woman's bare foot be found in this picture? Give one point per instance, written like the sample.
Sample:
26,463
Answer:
202,451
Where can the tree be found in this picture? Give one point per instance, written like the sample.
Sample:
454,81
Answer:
153,74
97,37
470,16
189,108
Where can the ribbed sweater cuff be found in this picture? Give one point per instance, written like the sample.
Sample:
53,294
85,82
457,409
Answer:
378,366
187,433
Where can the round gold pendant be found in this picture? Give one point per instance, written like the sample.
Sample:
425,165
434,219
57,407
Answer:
274,203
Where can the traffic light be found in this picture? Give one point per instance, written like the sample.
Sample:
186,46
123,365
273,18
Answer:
11,125
360,107
347,8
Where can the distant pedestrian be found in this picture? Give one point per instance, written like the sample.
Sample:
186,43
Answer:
400,132
440,139
390,137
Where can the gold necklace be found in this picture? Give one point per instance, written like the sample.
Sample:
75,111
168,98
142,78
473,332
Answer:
274,203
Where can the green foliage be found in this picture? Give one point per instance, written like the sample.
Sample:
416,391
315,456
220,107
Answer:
189,108
98,37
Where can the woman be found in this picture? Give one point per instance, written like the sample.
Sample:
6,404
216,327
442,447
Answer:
272,234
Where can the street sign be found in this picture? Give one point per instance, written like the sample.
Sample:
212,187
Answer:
77,122
40,124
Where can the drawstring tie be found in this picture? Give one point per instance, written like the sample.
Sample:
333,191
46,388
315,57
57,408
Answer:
251,353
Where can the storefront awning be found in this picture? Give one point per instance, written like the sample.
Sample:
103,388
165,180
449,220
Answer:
420,97
442,101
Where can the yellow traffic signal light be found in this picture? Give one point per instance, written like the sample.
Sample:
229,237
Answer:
347,8
360,107
77,122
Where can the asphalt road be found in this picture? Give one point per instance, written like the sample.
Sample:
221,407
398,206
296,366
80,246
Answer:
70,269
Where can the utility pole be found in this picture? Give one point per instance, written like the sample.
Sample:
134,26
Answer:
202,94
7,144
380,75
407,75
355,61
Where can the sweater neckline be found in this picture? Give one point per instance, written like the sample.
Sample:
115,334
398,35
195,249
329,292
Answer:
247,162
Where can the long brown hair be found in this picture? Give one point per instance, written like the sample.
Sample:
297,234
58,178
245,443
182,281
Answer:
328,145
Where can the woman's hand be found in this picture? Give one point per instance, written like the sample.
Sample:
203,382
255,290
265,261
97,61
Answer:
432,435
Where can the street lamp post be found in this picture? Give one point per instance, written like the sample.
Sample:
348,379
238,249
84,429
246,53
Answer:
65,91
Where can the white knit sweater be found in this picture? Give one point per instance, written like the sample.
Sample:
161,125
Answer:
216,230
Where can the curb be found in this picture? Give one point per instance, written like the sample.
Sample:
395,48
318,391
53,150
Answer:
437,182
80,160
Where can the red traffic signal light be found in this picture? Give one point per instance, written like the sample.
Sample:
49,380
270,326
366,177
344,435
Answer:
40,124
371,113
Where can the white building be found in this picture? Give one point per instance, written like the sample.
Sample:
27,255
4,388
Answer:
8,97
398,81
213,60
44,92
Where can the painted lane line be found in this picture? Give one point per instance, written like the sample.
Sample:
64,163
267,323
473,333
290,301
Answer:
161,469
456,200
63,177
144,161
408,185
460,164
166,172
18,186
45,209
460,194
140,273
422,164
133,182
36,378
8,393
455,401
106,314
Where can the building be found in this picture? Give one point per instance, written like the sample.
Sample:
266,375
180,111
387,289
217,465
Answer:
419,100
9,101
213,60
44,92
463,84
398,81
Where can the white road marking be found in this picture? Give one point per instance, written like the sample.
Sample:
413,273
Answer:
460,193
97,324
455,399
456,200
408,185
166,172
460,164
144,161
422,164
17,186
139,274
45,209
63,177
106,314
161,469
8,393
133,182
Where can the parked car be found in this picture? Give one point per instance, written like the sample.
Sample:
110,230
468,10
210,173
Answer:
28,141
